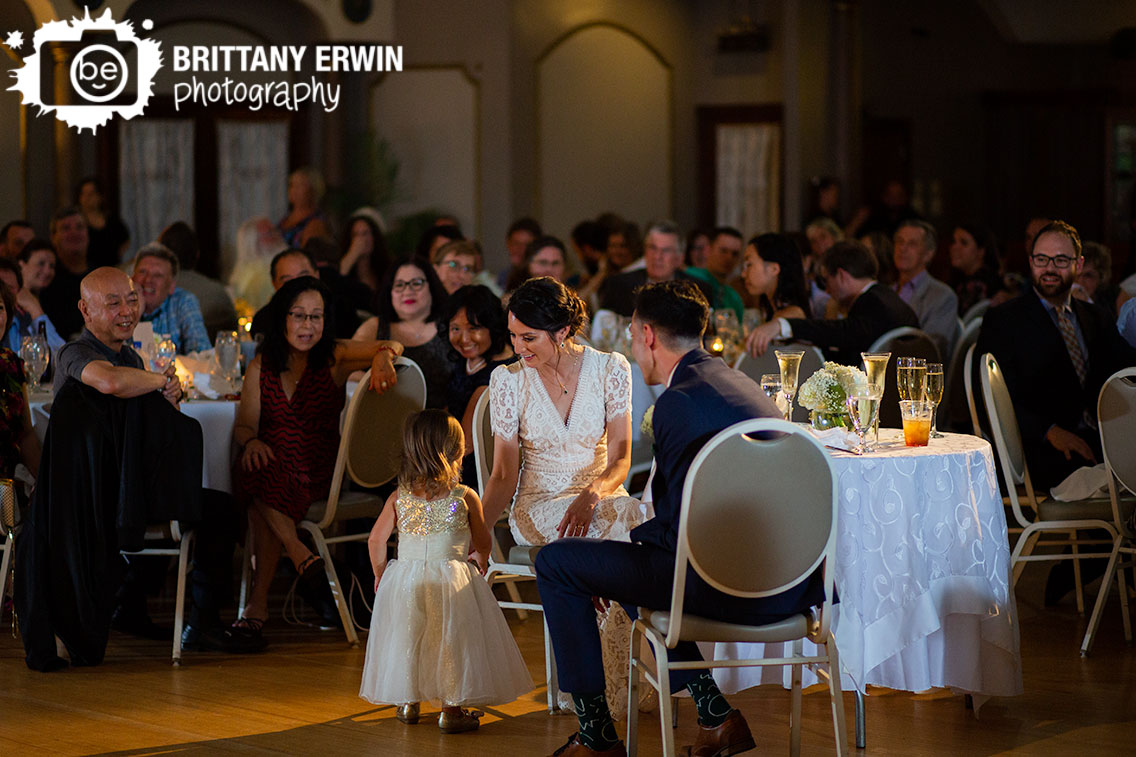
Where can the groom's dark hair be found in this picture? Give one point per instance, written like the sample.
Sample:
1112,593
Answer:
677,309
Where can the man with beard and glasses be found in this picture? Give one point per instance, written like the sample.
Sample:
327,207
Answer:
1056,352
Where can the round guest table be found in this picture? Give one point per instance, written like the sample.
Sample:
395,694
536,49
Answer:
922,574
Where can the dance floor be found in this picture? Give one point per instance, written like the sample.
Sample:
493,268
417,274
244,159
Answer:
300,698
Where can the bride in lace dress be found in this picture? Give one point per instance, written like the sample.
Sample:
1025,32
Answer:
561,418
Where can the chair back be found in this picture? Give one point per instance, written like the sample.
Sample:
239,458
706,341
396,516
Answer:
1007,437
902,342
482,441
756,367
955,395
1116,412
968,384
371,441
758,514
977,310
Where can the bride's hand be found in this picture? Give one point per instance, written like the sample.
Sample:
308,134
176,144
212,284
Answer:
578,516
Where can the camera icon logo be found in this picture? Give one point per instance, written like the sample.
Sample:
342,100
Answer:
88,70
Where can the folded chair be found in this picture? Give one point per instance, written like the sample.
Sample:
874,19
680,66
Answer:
758,517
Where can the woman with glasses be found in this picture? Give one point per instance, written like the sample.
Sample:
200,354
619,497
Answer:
288,429
409,304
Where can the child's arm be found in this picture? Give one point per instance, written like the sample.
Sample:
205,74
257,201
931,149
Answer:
479,536
380,533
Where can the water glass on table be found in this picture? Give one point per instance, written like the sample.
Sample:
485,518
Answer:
916,416
35,354
864,411
790,363
933,393
771,385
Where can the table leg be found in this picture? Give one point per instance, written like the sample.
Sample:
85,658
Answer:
861,735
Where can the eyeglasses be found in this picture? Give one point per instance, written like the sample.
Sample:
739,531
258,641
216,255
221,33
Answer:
1043,261
313,318
414,285
454,265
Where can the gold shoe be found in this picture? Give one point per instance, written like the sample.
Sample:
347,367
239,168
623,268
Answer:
465,720
407,713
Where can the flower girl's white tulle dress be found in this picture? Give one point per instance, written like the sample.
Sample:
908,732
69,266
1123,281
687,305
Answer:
437,633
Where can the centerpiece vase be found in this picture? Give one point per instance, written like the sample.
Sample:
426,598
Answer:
822,420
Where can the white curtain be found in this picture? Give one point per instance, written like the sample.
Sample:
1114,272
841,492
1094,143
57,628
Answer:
155,171
749,177
252,175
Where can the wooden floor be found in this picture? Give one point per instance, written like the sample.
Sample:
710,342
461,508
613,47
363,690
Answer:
300,697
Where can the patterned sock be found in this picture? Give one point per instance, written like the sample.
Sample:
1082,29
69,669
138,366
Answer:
597,731
713,709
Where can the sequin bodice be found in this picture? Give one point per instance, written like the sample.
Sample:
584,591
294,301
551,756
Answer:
424,517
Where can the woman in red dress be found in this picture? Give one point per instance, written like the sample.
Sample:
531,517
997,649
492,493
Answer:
288,428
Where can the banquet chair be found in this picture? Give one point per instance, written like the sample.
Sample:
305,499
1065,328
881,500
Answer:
758,517
7,531
1050,516
519,565
956,392
968,385
977,310
1116,411
901,342
756,367
369,448
169,540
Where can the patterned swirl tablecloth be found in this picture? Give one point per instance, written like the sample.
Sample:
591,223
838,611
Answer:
922,574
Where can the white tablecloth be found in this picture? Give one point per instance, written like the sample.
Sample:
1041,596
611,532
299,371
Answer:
922,573
216,418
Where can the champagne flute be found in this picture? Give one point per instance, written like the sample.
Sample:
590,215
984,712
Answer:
875,366
911,377
790,363
933,393
864,410
771,385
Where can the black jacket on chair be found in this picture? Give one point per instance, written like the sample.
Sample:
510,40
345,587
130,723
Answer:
874,313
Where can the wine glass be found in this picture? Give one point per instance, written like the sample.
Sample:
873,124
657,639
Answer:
864,410
875,366
726,324
771,385
751,319
790,364
33,352
933,393
227,353
164,354
911,377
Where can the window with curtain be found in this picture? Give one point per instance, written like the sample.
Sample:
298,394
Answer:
748,177
252,178
155,171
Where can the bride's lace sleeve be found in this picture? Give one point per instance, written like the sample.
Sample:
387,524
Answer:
617,387
504,413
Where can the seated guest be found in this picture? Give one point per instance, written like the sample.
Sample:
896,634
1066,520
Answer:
697,243
217,310
434,237
773,273
292,264
518,237
20,444
25,314
1126,321
1056,352
37,264
545,256
849,273
703,396
974,265
1094,282
288,429
880,245
456,264
588,246
933,301
662,253
172,310
109,236
344,291
721,259
479,342
69,239
365,256
117,456
258,241
822,234
13,237
305,220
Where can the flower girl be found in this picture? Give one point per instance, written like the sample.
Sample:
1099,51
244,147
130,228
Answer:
437,633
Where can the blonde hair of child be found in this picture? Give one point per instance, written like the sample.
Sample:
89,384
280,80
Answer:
432,446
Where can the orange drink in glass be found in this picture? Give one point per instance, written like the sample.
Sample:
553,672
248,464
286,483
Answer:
916,422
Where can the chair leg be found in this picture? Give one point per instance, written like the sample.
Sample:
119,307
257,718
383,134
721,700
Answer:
1023,548
337,592
1102,596
1123,584
179,606
861,720
246,576
632,739
838,720
553,683
795,698
674,712
5,563
662,674
1077,573
515,596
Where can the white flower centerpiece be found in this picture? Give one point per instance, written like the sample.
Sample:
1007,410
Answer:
824,394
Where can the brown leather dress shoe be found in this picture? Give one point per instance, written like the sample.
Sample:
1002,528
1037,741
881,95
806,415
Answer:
575,749
731,737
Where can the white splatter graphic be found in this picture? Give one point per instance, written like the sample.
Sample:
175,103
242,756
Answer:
98,72
14,40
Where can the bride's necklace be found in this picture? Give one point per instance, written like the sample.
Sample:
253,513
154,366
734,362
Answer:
556,373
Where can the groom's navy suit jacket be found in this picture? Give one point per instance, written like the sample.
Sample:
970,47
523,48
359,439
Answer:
705,396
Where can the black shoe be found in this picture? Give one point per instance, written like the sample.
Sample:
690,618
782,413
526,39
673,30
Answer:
219,639
140,625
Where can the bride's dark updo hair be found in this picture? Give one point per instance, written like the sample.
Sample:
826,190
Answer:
548,305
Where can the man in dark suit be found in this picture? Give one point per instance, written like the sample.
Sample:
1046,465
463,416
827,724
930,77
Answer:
1056,352
703,397
849,272
662,258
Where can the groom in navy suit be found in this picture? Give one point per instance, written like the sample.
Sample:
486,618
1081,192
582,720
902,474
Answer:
703,396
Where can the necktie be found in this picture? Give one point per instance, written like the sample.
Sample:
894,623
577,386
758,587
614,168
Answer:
1065,325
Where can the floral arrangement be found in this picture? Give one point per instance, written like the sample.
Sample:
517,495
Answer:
646,427
826,390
